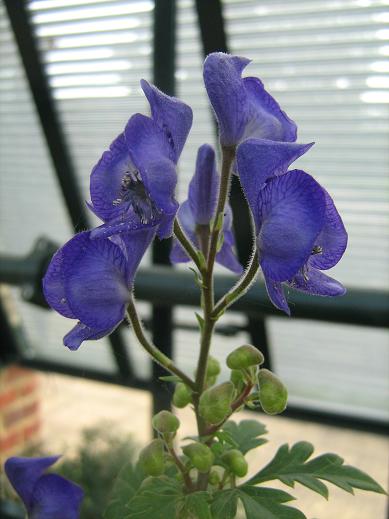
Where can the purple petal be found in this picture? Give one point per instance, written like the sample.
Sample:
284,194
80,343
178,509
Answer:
222,78
276,295
95,281
204,186
135,245
120,225
106,179
228,259
290,211
266,120
261,159
53,286
55,497
316,283
178,254
150,153
172,115
23,474
80,333
332,240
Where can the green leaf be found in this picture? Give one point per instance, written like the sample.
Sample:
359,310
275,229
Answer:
291,465
220,242
198,279
125,488
200,320
225,504
170,378
194,506
245,434
157,498
267,503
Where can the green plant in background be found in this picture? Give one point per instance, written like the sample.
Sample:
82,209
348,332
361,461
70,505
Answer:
297,234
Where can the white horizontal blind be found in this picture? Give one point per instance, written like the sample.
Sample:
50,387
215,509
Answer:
326,62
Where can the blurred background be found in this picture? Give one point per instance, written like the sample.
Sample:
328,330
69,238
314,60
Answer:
69,81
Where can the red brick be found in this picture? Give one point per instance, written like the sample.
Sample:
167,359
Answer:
10,441
28,387
7,397
11,417
15,372
31,430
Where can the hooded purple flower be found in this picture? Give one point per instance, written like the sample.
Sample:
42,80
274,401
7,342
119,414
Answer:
132,186
242,106
299,231
199,209
91,280
45,496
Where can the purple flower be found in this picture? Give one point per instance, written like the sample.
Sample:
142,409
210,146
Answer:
199,209
242,106
132,186
45,496
91,280
299,231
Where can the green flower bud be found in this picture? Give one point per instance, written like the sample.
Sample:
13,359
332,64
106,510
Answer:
237,379
200,455
235,462
165,422
151,458
214,478
244,357
273,395
182,395
215,402
213,367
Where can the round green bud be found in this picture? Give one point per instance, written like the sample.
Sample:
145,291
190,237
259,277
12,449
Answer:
152,458
182,395
200,455
237,379
244,357
214,478
165,422
273,395
215,402
235,462
213,367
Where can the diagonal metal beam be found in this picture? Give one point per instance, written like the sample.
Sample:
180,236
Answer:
56,142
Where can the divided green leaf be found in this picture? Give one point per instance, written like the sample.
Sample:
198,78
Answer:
162,498
245,435
291,465
266,503
125,488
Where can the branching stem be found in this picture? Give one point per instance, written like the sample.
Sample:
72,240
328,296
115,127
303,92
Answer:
159,357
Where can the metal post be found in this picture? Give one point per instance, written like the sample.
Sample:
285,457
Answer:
163,70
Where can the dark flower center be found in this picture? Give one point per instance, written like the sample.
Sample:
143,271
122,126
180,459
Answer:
132,191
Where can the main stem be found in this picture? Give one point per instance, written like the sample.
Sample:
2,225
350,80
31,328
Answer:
228,157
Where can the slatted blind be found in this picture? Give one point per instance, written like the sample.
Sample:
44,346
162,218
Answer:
327,64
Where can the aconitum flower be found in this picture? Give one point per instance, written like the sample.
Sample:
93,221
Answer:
91,280
242,106
199,210
132,186
299,231
45,496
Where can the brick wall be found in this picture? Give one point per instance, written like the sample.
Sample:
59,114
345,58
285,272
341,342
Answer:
20,421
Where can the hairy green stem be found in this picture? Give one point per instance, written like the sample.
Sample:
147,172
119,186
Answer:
228,157
186,244
181,467
159,357
239,289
